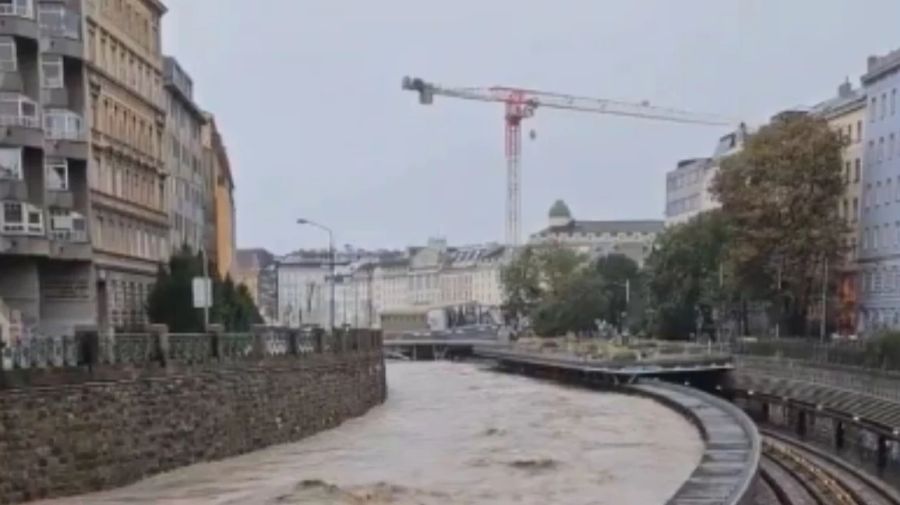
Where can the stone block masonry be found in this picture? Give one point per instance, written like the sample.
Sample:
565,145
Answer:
87,435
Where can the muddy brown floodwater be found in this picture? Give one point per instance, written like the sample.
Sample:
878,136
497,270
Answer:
455,434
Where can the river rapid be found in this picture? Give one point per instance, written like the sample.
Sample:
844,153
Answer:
455,433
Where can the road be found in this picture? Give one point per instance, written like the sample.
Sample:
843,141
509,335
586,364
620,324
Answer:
454,433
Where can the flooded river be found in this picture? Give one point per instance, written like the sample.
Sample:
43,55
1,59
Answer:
455,434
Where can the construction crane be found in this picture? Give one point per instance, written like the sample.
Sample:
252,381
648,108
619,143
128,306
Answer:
522,103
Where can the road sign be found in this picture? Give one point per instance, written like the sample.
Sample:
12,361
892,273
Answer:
202,288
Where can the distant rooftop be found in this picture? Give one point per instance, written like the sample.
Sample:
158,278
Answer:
878,66
611,227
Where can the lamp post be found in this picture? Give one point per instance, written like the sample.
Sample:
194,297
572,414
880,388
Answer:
331,265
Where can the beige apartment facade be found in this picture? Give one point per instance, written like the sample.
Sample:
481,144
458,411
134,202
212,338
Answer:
127,171
220,208
846,114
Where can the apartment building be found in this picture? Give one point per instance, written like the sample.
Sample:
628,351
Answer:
369,284
189,181
127,171
46,277
632,238
688,190
879,254
846,114
248,268
220,209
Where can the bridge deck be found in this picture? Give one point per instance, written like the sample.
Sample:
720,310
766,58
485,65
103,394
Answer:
678,364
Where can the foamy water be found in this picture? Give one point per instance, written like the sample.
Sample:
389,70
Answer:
455,434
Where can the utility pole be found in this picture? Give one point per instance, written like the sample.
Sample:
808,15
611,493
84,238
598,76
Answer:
824,301
331,254
207,288
778,306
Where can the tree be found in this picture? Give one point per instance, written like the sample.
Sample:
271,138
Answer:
686,273
780,195
616,271
171,300
555,288
521,281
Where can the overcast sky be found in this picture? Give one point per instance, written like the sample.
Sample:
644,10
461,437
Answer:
307,94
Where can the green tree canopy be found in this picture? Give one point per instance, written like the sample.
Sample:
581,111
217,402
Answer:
558,290
171,300
619,278
686,273
780,195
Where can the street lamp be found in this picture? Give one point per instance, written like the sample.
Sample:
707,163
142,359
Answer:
331,265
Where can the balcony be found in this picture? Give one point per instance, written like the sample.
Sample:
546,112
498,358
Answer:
22,230
68,235
13,189
60,31
60,198
66,134
17,19
63,125
19,117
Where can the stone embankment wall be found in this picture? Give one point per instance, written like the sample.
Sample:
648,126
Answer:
110,420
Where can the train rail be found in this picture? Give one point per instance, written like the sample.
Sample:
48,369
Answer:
795,473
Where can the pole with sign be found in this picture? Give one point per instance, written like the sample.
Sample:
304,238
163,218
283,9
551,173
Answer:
202,289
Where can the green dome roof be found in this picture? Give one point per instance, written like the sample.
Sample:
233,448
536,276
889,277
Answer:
560,209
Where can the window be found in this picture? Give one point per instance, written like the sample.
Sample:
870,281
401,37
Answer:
890,152
21,217
887,192
875,237
856,170
8,61
846,210
875,194
883,105
60,124
13,217
880,154
57,170
18,110
877,286
873,110
859,131
21,8
55,20
856,209
10,163
52,71
893,101
847,171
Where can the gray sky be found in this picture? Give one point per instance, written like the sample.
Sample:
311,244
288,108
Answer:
308,96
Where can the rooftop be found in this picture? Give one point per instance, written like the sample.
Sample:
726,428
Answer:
611,227
256,258
878,66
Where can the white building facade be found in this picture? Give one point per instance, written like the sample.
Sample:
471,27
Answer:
688,187
879,255
368,285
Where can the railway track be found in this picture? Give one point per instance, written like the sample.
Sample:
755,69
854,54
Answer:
793,473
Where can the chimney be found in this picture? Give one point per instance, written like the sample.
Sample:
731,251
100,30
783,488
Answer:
872,61
845,89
